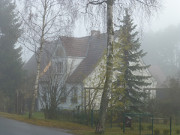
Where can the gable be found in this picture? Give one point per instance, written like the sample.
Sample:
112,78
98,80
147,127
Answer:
97,45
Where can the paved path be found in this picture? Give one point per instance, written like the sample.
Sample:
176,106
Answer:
13,127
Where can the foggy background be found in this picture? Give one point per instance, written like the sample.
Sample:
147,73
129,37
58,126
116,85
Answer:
160,38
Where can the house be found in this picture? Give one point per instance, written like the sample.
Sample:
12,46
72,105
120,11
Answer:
79,68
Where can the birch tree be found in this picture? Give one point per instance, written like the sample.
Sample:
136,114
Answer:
44,21
111,8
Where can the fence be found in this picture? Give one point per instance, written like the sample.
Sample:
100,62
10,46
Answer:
128,124
162,126
147,124
139,123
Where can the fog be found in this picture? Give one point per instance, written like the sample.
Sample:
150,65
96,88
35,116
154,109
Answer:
63,78
167,15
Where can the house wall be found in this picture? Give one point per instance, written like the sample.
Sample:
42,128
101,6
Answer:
97,77
69,104
93,85
69,65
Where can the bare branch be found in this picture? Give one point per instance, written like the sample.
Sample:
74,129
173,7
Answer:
95,3
146,3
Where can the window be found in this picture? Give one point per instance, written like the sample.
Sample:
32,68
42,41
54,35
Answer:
59,67
63,95
74,95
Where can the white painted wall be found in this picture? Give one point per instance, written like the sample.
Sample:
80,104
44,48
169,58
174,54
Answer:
68,104
73,63
94,79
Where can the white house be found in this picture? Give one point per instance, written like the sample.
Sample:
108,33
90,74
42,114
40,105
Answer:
79,65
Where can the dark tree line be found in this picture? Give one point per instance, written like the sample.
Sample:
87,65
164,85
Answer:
10,55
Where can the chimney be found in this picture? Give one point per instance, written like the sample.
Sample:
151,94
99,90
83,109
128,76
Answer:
95,32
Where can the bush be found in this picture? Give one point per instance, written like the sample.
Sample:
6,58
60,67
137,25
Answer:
178,131
121,125
156,132
166,132
142,127
149,127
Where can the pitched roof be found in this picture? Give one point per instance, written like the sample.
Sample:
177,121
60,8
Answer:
77,47
31,65
97,45
90,47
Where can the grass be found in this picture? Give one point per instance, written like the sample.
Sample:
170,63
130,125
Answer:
79,129
38,119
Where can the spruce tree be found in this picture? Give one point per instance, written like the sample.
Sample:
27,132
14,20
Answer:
10,55
129,68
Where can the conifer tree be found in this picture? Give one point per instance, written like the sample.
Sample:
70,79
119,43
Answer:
128,65
10,56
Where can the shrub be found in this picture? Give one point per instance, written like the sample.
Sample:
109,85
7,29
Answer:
156,132
149,127
166,132
121,125
178,131
142,128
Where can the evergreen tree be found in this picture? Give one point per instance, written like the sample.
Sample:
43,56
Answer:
128,59
10,56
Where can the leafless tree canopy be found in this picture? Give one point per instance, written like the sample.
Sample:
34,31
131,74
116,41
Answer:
48,18
95,11
44,21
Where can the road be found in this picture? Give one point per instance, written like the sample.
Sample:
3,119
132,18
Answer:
13,127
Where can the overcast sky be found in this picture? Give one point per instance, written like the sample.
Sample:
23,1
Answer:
169,14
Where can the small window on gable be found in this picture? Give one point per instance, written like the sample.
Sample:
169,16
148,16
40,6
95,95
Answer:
58,67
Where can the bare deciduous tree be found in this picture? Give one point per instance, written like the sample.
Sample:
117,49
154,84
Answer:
44,21
53,90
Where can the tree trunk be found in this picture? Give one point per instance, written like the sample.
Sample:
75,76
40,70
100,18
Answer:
109,66
36,84
38,62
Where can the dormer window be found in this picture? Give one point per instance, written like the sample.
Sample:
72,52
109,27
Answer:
59,60
58,67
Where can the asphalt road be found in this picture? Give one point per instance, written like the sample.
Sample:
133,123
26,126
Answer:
12,127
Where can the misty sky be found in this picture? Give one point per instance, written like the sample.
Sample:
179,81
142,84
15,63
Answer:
166,16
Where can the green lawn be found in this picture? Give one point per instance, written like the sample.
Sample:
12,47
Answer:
79,129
